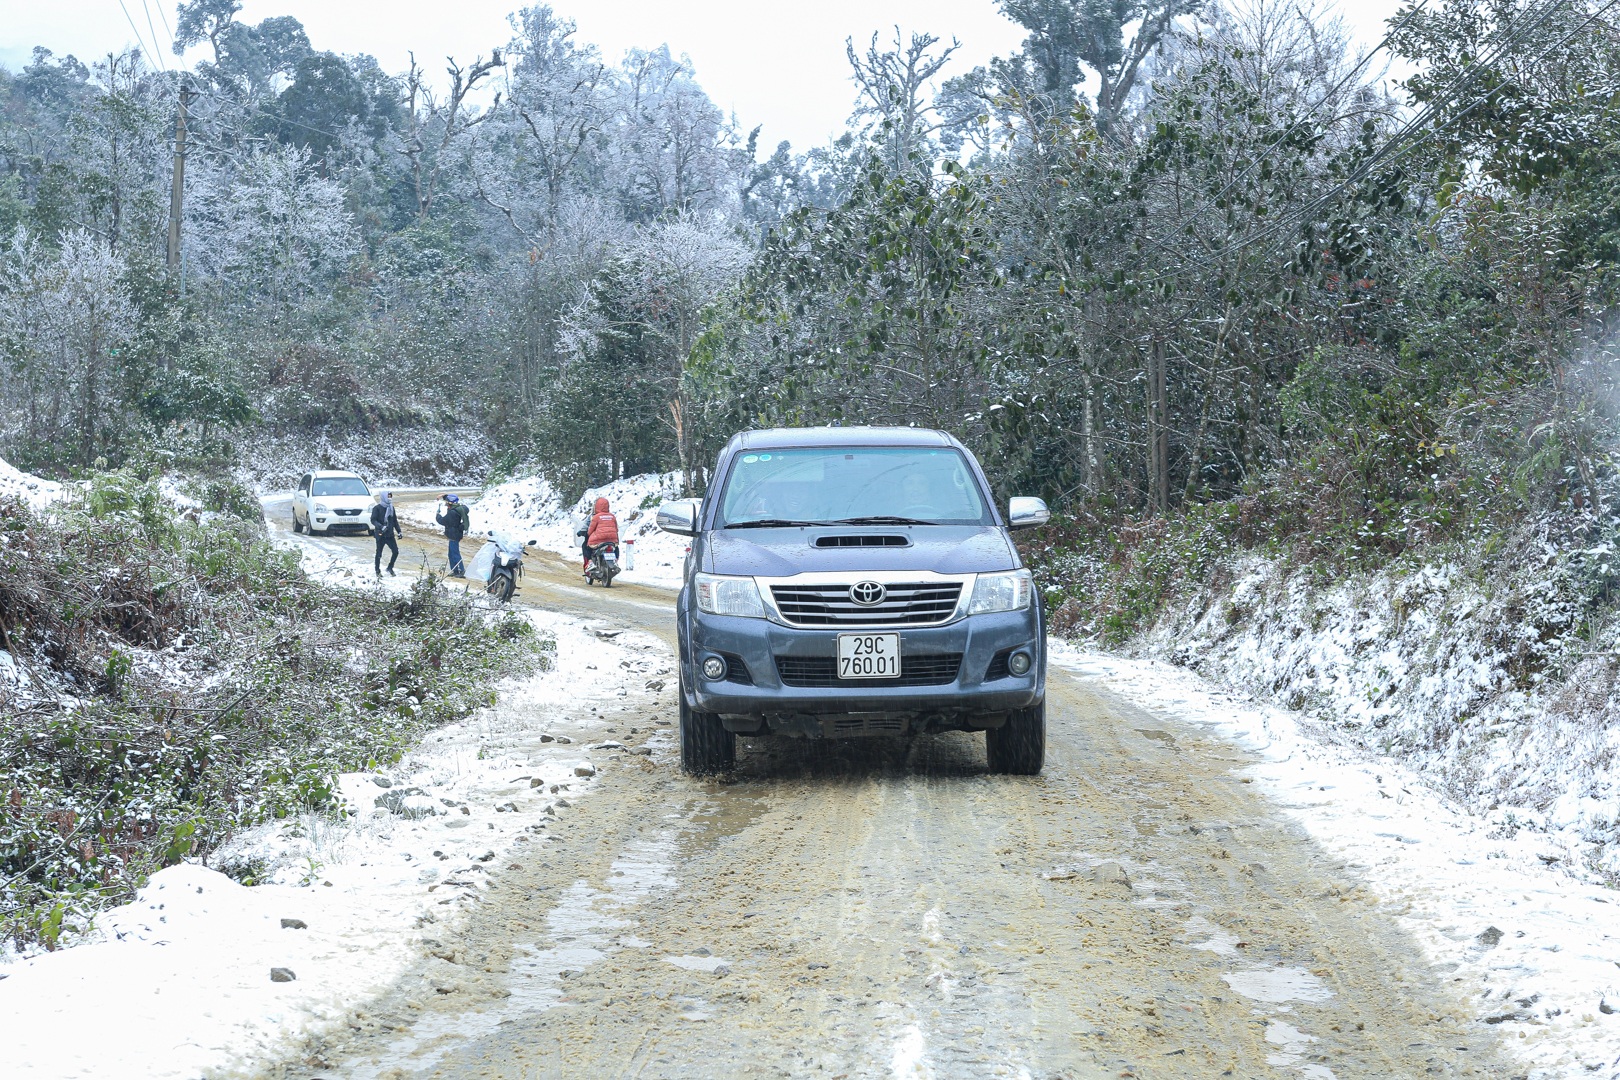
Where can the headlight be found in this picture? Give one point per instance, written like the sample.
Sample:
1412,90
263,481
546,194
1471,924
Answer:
718,595
320,508
1001,592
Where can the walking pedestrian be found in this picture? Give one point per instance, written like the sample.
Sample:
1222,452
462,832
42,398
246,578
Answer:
385,527
456,520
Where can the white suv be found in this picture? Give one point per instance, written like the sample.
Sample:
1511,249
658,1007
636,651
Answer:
330,501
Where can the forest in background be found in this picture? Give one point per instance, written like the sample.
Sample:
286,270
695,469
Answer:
1172,259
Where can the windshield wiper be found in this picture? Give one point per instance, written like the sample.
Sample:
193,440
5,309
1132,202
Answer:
772,523
883,519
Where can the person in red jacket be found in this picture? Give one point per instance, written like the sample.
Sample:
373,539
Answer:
602,527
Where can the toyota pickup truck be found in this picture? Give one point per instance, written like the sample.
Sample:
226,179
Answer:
856,581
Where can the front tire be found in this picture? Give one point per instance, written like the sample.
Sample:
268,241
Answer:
706,746
297,528
1018,747
501,586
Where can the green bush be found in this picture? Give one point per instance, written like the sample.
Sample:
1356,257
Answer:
203,684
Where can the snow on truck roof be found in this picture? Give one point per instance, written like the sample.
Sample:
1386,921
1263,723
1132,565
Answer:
782,438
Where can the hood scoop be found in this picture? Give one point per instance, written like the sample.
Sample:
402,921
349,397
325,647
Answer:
862,540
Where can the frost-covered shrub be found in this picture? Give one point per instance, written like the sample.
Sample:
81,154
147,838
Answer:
166,681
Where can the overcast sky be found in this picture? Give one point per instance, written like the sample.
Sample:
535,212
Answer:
773,63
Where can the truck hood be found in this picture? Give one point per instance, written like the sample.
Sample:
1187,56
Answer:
944,549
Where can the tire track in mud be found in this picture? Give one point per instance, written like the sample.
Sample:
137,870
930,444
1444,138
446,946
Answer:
886,908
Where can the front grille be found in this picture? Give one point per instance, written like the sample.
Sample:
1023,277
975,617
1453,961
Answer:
927,669
912,603
347,513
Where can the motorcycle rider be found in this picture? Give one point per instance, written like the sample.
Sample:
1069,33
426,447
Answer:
385,527
456,520
601,528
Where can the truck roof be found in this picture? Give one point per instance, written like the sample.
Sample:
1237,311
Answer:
784,438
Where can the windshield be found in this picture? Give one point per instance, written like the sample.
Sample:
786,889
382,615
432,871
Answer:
856,485
340,485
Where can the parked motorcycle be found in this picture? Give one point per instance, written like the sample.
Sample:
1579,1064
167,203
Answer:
604,565
500,564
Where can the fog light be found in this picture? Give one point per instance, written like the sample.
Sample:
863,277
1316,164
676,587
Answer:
1018,663
714,668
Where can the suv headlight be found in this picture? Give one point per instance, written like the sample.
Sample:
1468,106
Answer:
320,508
718,595
1001,592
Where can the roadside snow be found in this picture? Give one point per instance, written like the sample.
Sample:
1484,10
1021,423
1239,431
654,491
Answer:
34,491
1536,949
528,509
1489,684
178,982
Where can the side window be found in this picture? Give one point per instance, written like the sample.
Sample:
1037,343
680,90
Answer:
303,485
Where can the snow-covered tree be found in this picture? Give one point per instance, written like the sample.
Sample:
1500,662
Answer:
65,316
274,228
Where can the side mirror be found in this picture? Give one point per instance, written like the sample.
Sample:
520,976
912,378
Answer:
1026,513
679,517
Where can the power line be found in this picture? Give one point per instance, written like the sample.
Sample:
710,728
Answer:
265,112
165,20
139,40
1388,38
1513,37
161,59
1515,33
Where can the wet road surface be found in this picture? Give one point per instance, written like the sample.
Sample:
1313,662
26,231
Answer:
882,908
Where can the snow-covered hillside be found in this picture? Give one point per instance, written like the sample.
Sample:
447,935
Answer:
528,509
402,457
1481,681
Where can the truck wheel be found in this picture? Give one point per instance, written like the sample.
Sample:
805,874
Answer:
706,746
1018,747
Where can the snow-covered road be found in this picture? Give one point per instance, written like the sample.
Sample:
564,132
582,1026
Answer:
1194,886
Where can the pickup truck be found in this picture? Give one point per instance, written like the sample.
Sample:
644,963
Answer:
856,581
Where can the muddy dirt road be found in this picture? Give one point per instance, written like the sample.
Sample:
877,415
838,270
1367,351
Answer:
886,908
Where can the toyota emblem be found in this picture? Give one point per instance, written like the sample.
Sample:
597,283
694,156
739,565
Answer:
867,593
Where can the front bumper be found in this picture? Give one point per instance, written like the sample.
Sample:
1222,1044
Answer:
764,658
331,521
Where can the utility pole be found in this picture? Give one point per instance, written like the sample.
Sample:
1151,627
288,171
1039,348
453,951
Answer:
177,186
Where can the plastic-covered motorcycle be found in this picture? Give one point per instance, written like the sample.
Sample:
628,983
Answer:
499,563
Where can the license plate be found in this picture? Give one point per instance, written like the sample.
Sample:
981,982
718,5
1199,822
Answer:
868,656
610,556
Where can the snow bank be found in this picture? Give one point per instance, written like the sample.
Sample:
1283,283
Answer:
1476,680
528,509
178,983
37,493
1535,950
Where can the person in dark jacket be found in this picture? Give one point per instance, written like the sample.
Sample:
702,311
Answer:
456,520
385,527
